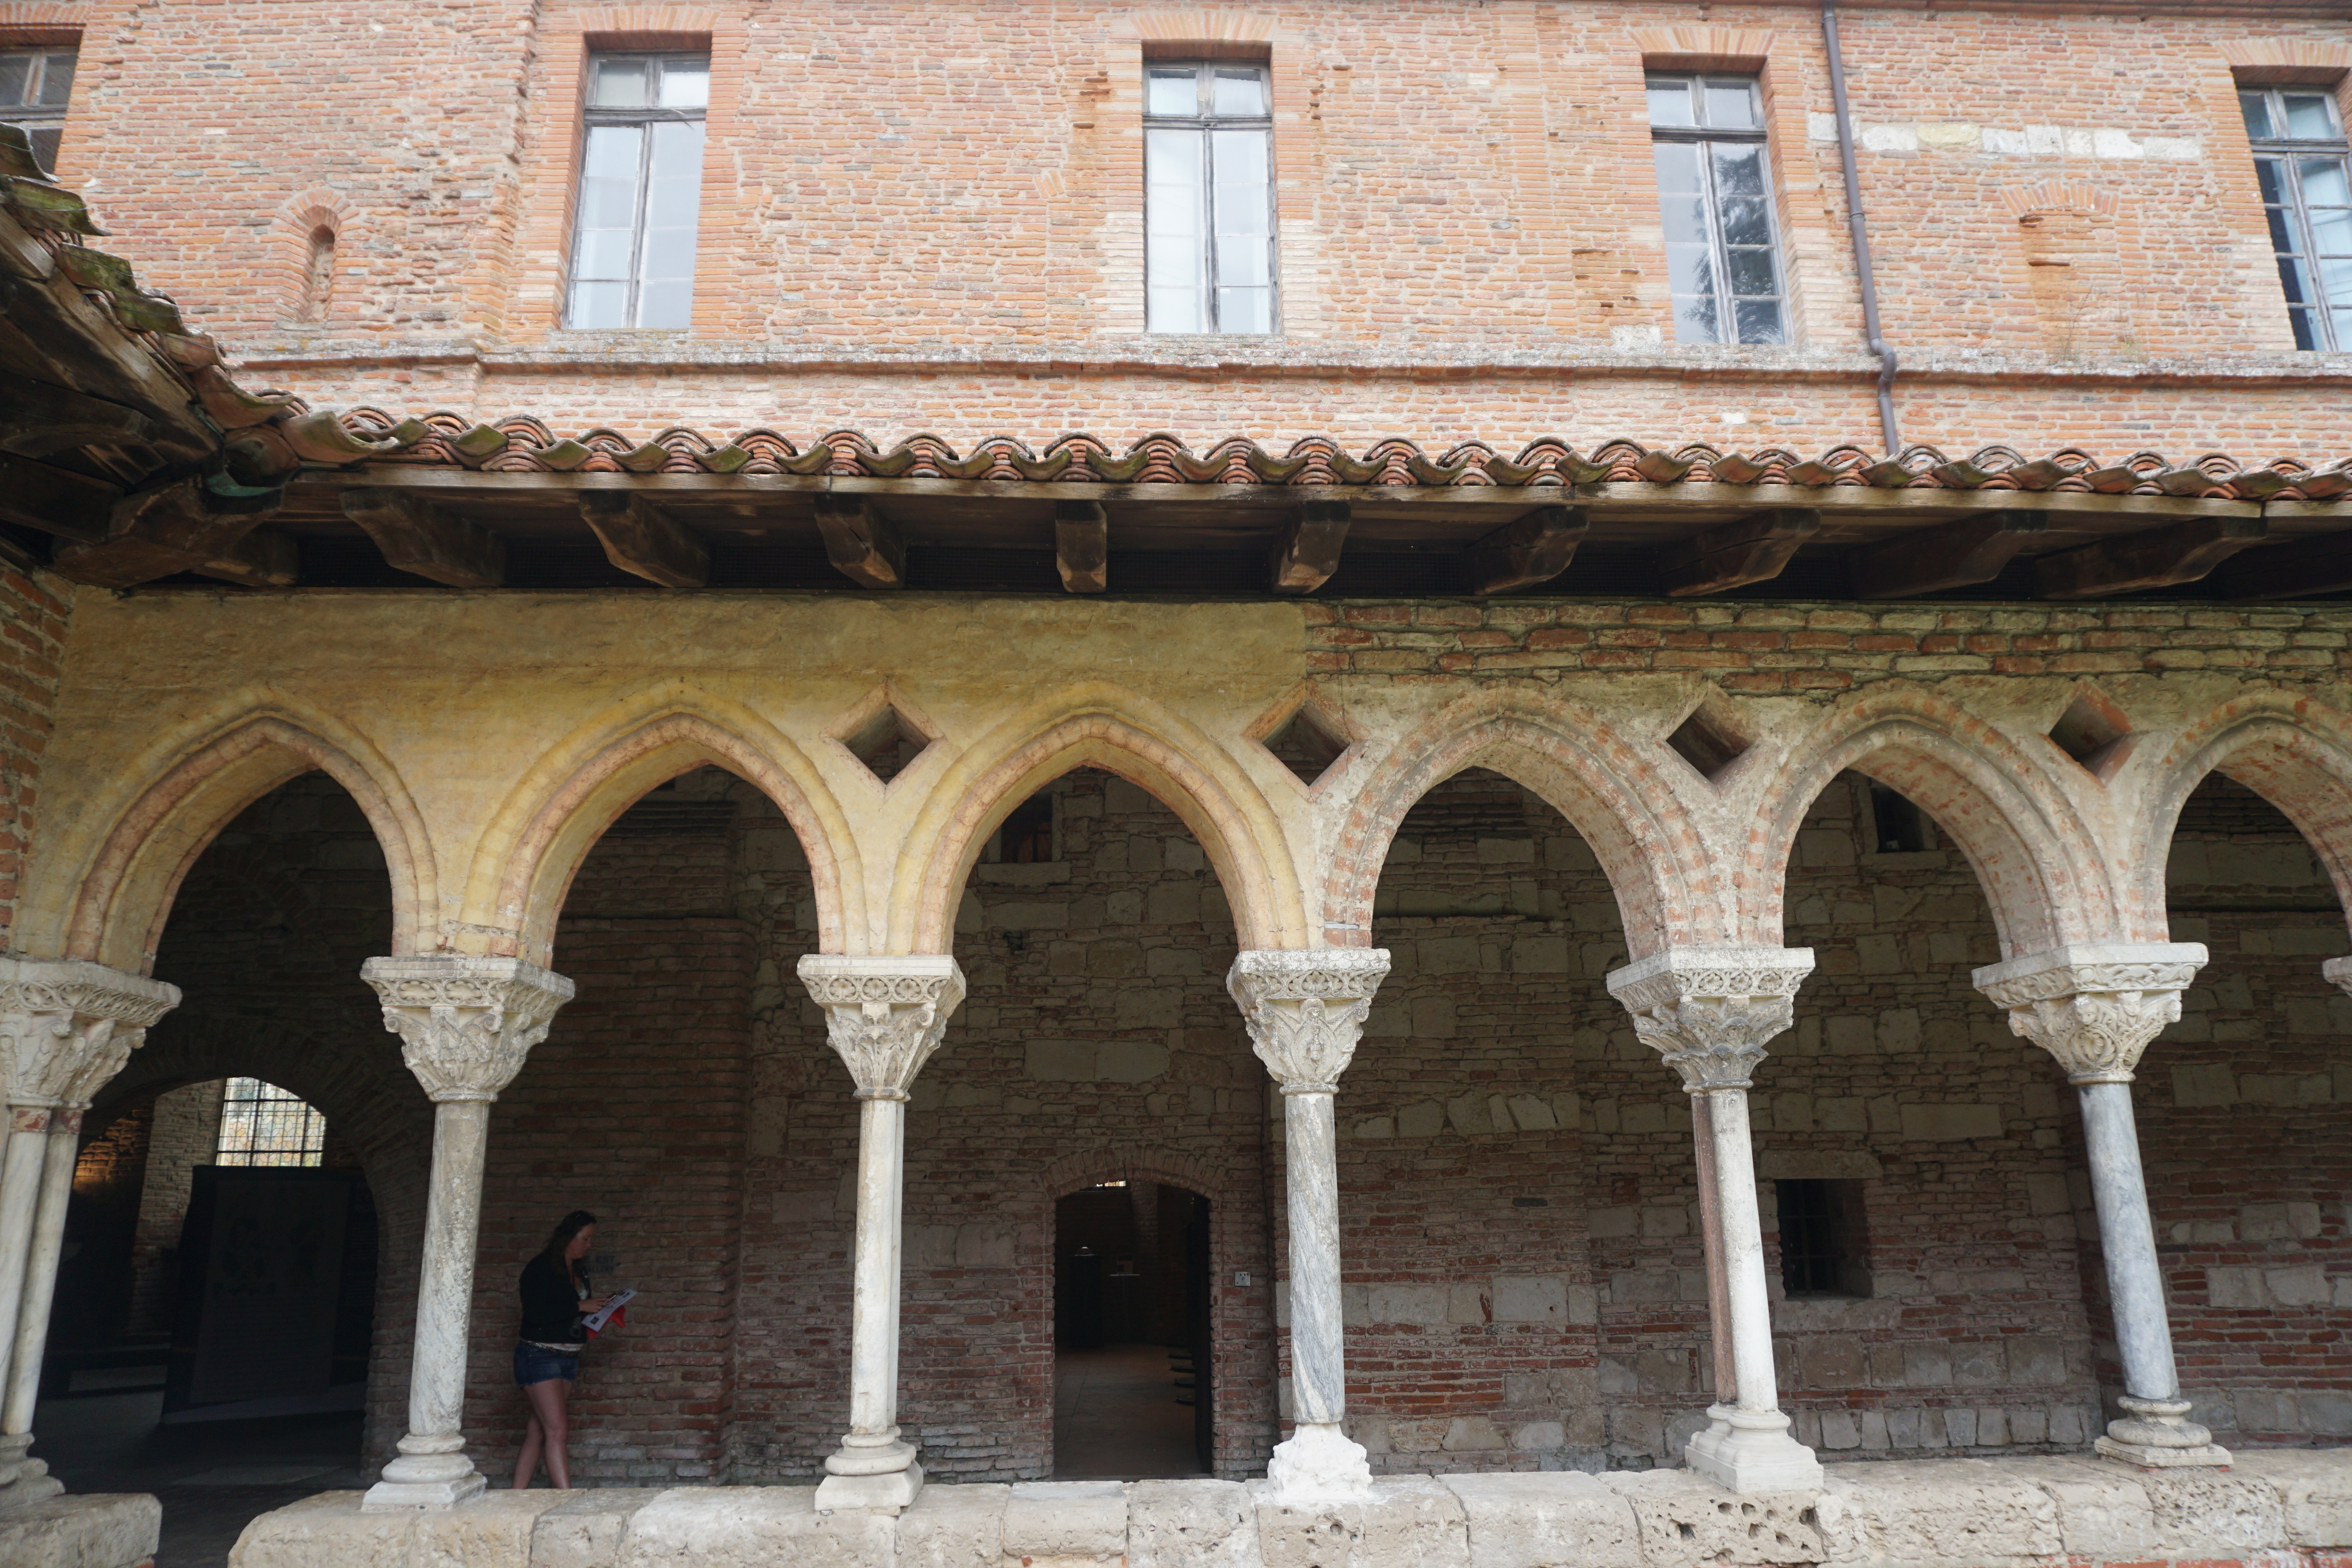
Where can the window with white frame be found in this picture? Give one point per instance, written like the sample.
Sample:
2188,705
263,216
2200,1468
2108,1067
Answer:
262,1125
1723,255
35,84
2300,161
640,192
1208,175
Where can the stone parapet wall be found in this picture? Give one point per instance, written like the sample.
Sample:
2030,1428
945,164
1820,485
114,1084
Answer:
2271,1510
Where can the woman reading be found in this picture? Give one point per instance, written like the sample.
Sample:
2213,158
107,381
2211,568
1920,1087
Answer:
547,1354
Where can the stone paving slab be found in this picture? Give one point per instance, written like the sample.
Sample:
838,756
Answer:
2280,1509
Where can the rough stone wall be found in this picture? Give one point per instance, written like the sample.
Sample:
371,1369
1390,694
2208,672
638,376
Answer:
1425,154
94,1302
33,622
186,1133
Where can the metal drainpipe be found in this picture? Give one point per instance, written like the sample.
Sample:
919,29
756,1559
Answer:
1878,344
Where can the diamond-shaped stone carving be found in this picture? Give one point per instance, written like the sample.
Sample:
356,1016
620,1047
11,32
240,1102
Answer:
884,734
1711,737
2093,732
1306,736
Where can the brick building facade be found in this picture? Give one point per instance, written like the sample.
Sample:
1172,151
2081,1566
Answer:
1416,717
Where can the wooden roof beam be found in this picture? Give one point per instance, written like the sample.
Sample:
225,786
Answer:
37,418
416,536
1082,546
2156,557
1309,550
179,527
1753,549
860,541
1534,549
55,500
644,540
1931,560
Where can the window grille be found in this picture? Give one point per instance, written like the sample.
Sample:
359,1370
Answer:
640,192
2300,161
1823,1247
1723,254
1208,166
34,87
262,1125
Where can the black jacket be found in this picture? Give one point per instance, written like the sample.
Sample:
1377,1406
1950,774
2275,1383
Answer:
550,1308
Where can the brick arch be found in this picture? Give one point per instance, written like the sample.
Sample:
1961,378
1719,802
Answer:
121,887
1703,48
298,218
523,868
1204,25
1177,765
1084,1169
376,1108
1607,789
2291,62
2291,751
2079,197
2039,865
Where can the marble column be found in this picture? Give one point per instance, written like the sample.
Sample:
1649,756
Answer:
465,1025
65,1027
2096,1008
1708,1011
1305,1010
885,1016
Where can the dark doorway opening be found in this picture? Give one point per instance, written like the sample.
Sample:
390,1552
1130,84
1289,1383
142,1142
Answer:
1131,1344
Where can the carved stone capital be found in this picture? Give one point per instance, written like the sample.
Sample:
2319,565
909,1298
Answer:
465,1024
1305,1009
2338,973
2096,1006
884,1015
67,1026
1709,1012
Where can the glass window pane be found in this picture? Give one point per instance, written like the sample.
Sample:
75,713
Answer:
1171,92
2323,184
686,84
1173,309
2294,281
2336,277
1759,320
1677,165
1243,261
46,139
1731,104
1739,168
1695,320
2343,320
15,79
668,256
1690,269
1173,158
2256,108
675,196
2305,332
1241,197
1686,216
2309,117
1670,102
608,177
56,80
2282,231
598,305
666,305
620,84
605,254
1745,221
1237,92
1171,260
2271,174
1245,310
1751,272
2331,231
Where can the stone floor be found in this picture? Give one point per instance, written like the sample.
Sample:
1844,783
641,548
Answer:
1116,1416
213,1477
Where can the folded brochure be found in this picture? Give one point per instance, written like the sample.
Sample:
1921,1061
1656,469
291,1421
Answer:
595,1322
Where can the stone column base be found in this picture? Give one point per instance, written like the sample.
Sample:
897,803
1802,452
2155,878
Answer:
1750,1452
2158,1434
1318,1463
31,1483
891,1491
407,1497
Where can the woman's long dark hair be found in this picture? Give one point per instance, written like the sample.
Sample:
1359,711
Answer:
570,1226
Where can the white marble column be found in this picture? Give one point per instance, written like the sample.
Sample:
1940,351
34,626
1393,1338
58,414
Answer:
1708,1011
1305,1010
2096,1008
465,1025
66,1026
885,1016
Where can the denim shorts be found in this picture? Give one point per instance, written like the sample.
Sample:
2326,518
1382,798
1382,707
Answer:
533,1364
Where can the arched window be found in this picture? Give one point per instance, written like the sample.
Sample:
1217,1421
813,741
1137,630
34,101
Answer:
319,275
262,1125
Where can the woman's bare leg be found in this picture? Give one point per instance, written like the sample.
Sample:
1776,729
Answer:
533,1439
547,1406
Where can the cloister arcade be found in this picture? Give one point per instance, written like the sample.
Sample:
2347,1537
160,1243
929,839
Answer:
493,775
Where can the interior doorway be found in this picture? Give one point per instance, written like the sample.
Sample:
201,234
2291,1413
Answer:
1132,1343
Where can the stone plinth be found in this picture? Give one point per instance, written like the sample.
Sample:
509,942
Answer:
100,1531
2282,1508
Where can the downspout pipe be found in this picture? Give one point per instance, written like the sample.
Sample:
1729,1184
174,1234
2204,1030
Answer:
1887,429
